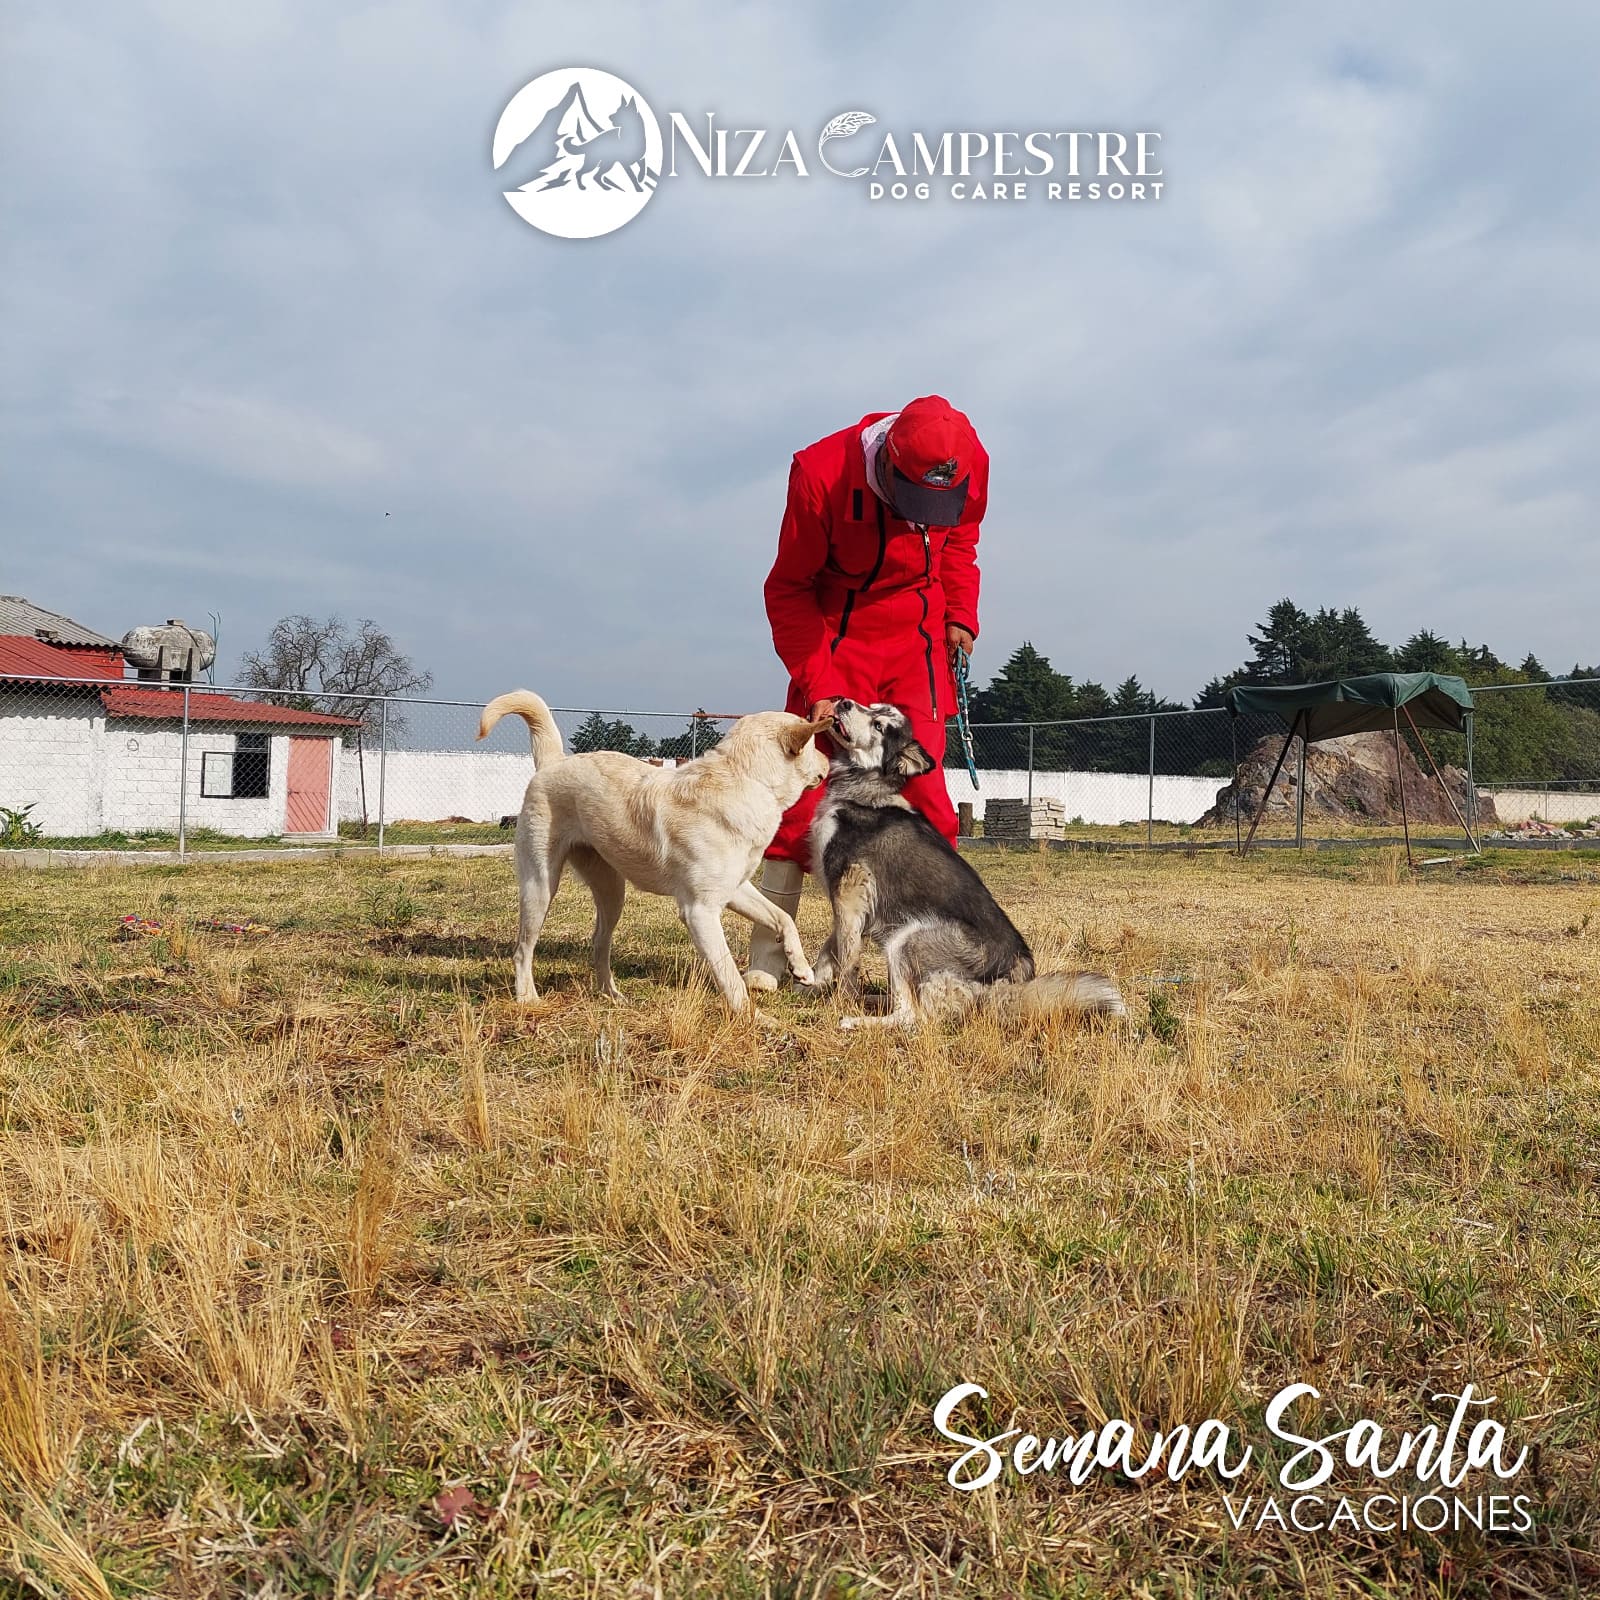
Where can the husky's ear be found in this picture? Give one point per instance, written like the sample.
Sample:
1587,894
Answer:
911,762
798,735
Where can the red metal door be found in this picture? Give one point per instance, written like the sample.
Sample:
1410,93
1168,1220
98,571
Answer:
310,785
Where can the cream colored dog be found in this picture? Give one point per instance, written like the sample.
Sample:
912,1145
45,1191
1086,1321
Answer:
694,833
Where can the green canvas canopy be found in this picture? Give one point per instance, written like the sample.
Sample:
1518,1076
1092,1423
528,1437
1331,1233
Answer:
1373,703
1361,705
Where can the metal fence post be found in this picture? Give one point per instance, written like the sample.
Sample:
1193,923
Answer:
1150,809
183,780
383,762
694,737
1030,772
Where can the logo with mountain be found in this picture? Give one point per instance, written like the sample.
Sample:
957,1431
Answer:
582,152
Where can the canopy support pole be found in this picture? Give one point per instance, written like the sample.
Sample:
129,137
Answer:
1466,827
1400,778
1282,757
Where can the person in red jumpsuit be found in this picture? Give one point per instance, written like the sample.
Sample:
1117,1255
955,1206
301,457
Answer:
874,589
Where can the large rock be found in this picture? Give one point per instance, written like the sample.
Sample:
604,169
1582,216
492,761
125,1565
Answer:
1350,779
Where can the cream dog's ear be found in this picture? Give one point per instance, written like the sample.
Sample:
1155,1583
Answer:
797,737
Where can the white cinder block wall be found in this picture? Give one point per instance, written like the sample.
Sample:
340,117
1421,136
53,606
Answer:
1555,805
1098,797
483,786
427,785
142,781
51,757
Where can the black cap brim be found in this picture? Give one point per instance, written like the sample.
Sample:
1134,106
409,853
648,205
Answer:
922,502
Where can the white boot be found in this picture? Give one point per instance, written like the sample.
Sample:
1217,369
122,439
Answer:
781,882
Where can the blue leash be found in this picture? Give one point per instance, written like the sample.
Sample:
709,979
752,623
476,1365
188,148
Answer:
963,715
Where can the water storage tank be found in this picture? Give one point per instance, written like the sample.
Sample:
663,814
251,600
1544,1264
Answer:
174,652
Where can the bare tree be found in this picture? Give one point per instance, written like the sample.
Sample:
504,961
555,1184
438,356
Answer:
329,666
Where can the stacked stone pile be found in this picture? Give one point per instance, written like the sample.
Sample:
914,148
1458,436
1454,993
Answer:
1039,818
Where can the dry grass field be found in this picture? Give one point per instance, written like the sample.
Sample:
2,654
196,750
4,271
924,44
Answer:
326,1270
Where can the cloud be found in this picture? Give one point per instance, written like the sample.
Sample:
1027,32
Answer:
242,436
261,288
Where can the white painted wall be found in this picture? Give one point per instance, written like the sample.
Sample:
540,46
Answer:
428,785
50,756
1099,797
485,785
87,775
141,792
1518,805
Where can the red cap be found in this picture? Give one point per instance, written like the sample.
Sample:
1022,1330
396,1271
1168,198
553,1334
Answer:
931,447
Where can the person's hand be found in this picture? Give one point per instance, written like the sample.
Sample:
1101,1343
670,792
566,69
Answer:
822,711
957,638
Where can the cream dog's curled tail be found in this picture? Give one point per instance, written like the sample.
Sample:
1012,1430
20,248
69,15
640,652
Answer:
543,734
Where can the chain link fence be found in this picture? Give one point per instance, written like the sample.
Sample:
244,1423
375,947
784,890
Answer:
121,764
1537,752
1152,776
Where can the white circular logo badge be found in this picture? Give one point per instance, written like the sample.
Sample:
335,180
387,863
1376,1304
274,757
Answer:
581,151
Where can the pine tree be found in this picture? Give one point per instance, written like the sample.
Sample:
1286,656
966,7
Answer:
590,734
1279,649
1131,699
1479,664
1355,649
1215,693
1426,652
701,735
1294,647
1128,743
1091,700
595,733
1026,689
1583,691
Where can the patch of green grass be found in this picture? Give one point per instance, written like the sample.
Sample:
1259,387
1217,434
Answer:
389,907
1164,1022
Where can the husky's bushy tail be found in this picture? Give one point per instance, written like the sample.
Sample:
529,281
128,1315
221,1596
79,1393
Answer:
1054,994
543,734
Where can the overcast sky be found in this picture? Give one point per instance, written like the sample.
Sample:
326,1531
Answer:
261,288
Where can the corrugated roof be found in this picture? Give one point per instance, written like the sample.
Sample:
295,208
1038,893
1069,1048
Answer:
166,705
19,616
33,658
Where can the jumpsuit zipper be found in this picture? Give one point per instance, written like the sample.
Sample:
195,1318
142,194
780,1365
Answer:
922,627
867,582
844,617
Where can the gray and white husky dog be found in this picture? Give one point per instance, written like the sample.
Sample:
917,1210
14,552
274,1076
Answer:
893,878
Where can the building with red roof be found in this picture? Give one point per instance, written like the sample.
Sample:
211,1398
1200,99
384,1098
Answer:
109,753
